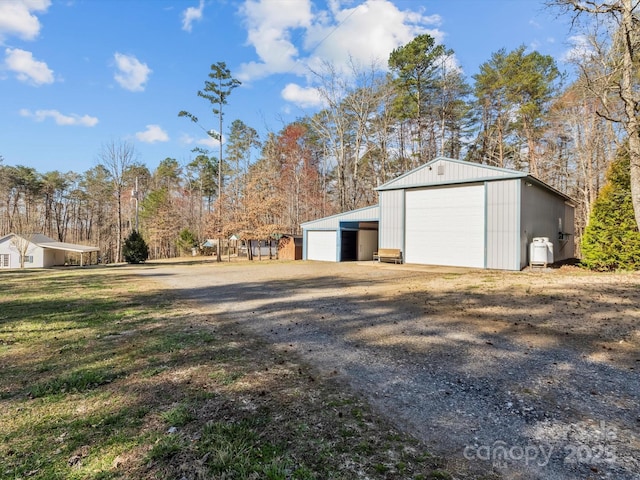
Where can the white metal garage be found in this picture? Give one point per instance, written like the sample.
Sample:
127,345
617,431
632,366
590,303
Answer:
451,212
454,213
445,226
346,236
322,245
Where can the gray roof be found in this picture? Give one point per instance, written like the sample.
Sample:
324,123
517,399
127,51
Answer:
371,213
449,171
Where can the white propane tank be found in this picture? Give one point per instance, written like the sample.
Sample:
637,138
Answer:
540,252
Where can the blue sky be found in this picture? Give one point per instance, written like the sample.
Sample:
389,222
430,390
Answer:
76,74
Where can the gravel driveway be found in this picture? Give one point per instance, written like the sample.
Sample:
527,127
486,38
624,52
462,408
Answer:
534,375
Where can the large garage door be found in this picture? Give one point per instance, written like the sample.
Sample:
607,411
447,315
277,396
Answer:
321,245
445,226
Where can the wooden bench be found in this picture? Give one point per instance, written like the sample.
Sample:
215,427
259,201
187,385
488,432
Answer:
388,255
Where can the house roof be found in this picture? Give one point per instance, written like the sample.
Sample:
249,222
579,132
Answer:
45,242
458,172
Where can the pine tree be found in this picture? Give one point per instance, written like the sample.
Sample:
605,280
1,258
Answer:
135,249
611,240
187,240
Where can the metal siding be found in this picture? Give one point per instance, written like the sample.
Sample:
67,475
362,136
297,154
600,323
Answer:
454,171
305,243
333,222
518,202
502,225
391,226
541,210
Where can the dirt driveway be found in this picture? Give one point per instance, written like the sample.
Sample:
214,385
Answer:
530,374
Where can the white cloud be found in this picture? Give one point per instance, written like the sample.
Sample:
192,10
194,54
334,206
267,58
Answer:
289,40
191,15
208,141
186,139
17,18
27,68
153,133
304,97
581,48
59,118
269,31
370,31
132,74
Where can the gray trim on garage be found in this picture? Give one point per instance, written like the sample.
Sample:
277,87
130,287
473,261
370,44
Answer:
336,223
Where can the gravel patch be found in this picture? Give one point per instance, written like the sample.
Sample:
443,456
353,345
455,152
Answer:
529,375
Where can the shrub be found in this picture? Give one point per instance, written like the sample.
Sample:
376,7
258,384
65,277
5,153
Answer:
135,249
611,240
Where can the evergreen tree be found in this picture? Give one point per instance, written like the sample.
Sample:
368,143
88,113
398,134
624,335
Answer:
187,240
611,240
216,91
135,249
513,94
417,66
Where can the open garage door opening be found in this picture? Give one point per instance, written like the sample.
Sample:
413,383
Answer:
358,241
348,245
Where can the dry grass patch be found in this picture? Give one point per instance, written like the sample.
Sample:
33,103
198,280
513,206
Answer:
105,377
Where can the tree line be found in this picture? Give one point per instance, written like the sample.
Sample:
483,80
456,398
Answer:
518,111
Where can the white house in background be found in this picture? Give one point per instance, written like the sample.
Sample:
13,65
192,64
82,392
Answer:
450,212
39,251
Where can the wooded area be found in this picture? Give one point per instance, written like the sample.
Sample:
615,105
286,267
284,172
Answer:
518,111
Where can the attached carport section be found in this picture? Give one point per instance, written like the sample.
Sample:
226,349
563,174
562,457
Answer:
358,241
55,252
352,236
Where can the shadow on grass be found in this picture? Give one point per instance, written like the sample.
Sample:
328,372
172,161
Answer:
102,379
493,357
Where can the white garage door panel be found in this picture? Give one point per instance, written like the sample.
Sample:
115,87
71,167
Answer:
321,245
445,226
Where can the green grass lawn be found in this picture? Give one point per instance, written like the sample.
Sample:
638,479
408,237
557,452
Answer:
105,377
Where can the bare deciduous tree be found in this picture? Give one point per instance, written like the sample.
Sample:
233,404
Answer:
117,157
345,125
621,20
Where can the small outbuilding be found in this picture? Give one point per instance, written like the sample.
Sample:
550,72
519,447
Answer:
290,247
455,213
39,251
